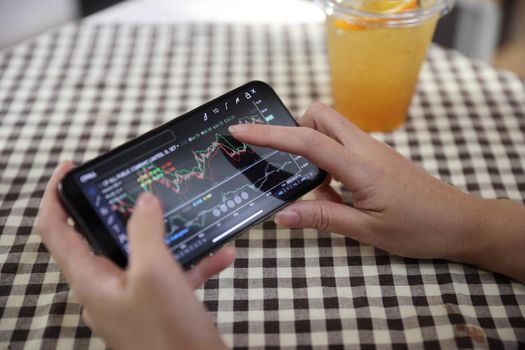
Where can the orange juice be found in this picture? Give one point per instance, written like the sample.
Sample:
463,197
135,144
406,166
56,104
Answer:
375,62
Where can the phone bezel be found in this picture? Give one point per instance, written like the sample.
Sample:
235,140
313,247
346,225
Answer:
89,223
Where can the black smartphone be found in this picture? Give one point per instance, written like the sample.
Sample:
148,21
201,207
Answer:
212,186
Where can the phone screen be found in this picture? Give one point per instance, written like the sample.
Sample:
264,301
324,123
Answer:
211,185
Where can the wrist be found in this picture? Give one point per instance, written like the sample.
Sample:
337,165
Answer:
459,225
497,241
477,236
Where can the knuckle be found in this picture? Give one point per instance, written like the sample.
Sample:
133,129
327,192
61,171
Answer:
84,298
40,224
45,226
311,139
146,277
313,113
271,135
143,274
317,108
321,219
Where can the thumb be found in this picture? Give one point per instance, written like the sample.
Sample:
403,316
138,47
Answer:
324,215
146,232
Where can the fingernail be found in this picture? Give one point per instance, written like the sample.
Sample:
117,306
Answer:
235,128
287,218
145,199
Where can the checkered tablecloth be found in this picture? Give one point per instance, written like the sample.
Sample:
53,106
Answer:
81,90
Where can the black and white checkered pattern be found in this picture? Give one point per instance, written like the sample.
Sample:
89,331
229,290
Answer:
79,91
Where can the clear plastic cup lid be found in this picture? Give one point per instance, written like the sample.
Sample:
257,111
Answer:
356,11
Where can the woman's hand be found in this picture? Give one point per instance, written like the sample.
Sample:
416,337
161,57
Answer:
397,206
150,305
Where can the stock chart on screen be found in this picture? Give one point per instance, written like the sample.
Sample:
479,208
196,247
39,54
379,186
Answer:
209,183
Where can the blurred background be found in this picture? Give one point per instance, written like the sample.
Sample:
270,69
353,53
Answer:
491,30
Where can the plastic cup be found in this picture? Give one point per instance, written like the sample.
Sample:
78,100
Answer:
376,49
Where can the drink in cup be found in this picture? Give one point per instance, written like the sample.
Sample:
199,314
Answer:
376,49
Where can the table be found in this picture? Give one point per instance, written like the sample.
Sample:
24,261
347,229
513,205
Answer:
83,89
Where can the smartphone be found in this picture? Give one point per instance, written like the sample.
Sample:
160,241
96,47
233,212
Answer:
212,187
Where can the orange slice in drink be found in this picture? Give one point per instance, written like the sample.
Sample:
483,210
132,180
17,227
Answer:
383,6
389,6
342,24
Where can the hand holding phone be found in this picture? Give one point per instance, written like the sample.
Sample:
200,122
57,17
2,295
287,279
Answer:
140,307
212,186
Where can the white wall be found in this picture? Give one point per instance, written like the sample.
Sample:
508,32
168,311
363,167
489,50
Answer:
21,19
